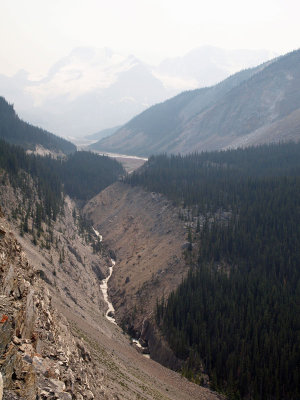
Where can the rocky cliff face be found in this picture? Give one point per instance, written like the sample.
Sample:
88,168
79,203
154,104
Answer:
68,265
39,357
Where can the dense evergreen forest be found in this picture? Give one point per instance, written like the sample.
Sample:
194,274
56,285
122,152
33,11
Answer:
85,174
237,314
16,131
81,175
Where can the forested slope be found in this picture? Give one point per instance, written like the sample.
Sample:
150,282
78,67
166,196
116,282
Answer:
43,181
16,131
236,315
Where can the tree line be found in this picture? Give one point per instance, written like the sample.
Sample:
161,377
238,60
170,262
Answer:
44,180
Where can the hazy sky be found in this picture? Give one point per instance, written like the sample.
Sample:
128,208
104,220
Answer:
36,33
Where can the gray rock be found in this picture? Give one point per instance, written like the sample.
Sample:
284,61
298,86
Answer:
27,358
88,395
65,396
1,386
10,395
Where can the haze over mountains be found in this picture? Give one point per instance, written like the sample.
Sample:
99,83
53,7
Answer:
94,89
208,65
254,106
198,253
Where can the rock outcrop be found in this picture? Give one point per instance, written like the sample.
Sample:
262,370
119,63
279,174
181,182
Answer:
39,356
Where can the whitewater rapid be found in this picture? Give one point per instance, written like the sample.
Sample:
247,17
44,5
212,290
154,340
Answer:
104,287
110,308
97,234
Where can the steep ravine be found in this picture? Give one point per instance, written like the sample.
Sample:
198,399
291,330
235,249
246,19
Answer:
77,353
146,235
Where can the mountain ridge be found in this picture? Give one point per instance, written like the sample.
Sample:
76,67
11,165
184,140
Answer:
92,89
216,117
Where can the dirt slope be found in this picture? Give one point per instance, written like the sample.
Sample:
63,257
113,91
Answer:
146,235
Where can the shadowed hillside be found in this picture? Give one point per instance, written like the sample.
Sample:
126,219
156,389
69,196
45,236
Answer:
16,131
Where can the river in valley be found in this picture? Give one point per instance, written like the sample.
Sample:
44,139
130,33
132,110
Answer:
104,286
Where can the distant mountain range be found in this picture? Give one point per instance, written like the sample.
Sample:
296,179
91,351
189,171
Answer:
207,65
94,89
254,106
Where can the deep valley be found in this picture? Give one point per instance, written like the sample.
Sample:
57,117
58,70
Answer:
169,274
